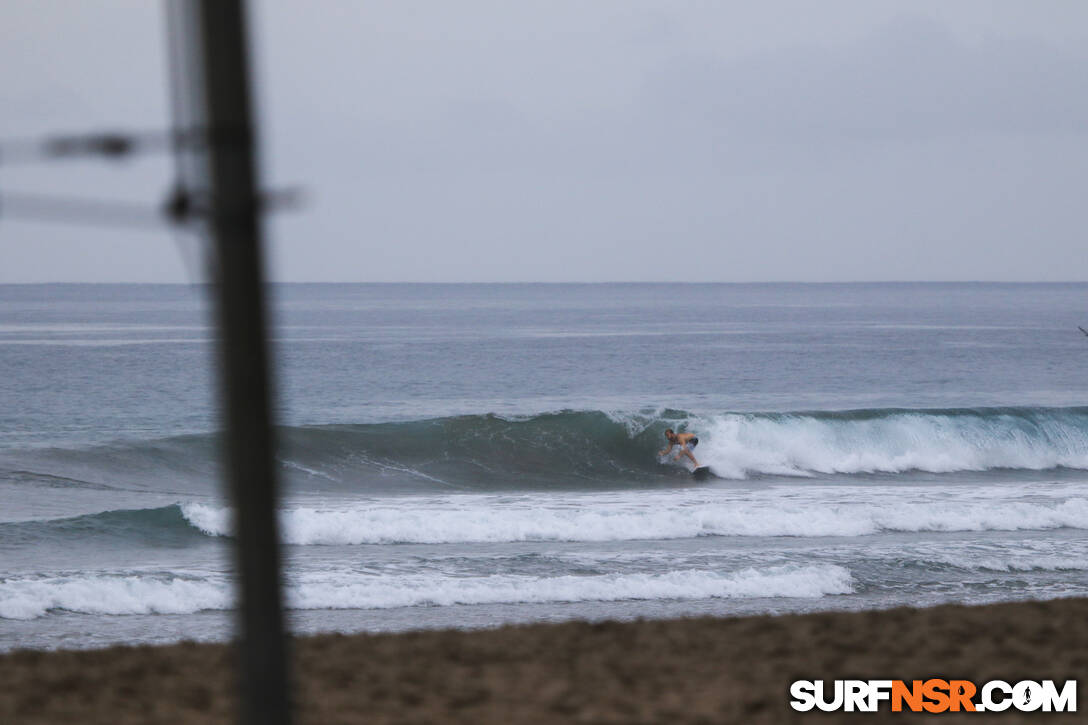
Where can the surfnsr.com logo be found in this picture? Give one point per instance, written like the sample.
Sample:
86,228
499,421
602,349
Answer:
934,695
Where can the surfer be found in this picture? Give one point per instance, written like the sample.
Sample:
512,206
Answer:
686,441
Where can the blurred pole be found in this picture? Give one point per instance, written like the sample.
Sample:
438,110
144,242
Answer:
235,229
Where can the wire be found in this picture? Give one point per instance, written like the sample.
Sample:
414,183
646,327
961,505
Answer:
186,207
68,210
113,145
116,145
176,211
194,249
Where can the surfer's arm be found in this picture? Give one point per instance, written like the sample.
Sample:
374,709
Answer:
666,451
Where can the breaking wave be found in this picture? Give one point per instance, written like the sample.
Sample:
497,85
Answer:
33,597
490,518
895,441
593,449
485,520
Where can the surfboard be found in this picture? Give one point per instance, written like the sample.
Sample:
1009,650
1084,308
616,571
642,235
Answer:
701,472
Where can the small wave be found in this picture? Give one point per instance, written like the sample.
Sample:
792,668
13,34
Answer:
156,594
1026,565
479,519
588,518
46,480
151,525
1013,563
780,581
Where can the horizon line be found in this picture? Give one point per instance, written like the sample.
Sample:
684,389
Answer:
565,282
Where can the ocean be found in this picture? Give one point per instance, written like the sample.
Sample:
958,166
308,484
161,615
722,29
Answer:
472,455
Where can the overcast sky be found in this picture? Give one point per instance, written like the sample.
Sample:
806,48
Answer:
543,140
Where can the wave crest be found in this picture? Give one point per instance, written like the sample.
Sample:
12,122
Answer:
481,519
895,441
594,449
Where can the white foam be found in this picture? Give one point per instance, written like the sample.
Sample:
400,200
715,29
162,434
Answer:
308,471
381,593
1023,555
134,594
600,518
737,446
212,520
635,423
1021,563
103,594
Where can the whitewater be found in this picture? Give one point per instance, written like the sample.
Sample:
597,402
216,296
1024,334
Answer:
469,455
678,515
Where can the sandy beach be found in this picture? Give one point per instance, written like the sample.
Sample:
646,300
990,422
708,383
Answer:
677,671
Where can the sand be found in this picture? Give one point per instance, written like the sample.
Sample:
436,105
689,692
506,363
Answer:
677,671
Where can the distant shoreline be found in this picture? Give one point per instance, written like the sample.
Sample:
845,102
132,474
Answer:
667,671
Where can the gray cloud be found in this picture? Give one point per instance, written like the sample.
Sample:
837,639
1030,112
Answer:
907,79
603,141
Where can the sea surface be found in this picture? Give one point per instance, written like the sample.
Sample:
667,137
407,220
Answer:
470,455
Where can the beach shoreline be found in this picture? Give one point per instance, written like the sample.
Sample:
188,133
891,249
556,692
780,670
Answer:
698,670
